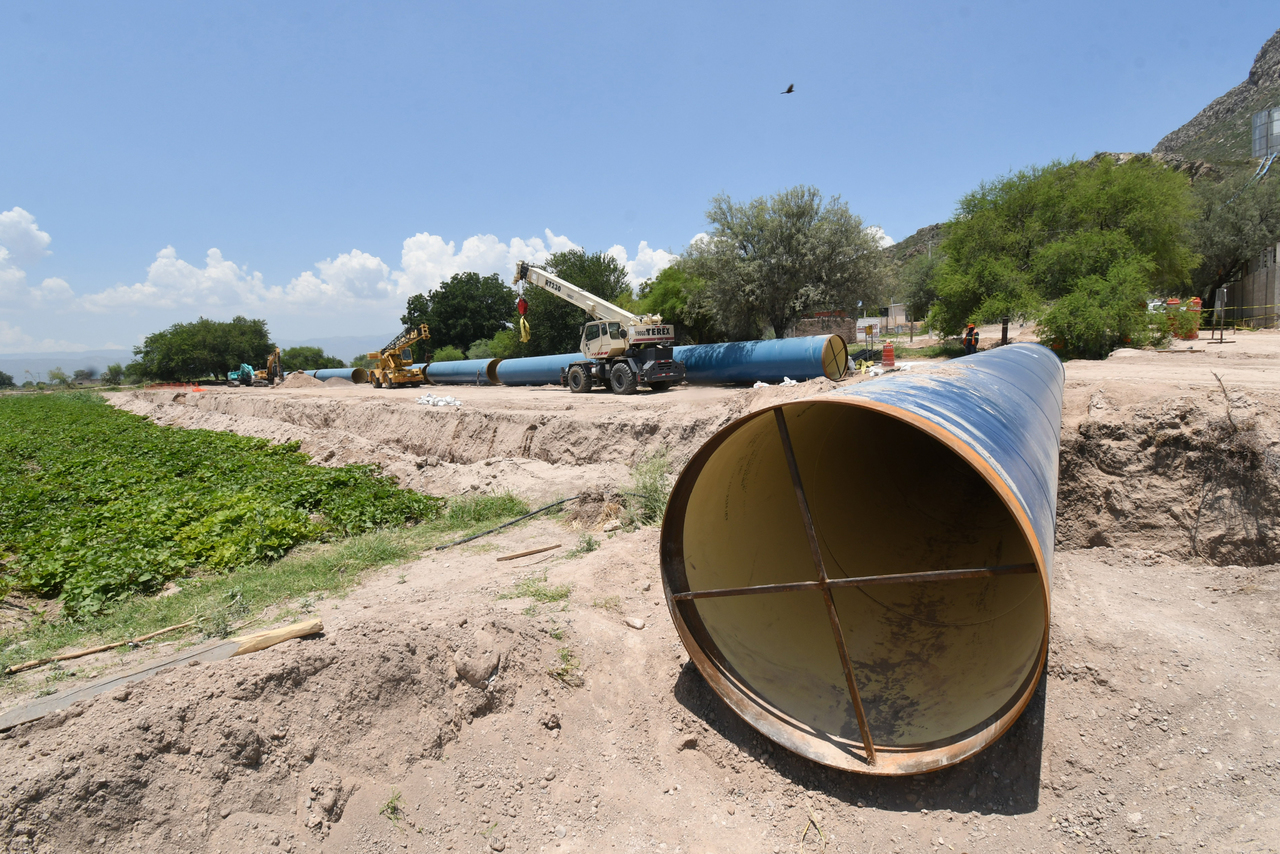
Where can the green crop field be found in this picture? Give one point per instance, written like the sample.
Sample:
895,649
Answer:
97,504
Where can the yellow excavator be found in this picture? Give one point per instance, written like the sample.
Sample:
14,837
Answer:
395,361
273,373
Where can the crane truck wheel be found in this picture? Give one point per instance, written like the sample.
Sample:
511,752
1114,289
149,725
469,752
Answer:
622,379
578,379
660,385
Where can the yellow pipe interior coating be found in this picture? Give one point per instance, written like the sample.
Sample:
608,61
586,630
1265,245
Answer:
942,667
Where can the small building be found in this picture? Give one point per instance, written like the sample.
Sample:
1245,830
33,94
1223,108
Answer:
1266,133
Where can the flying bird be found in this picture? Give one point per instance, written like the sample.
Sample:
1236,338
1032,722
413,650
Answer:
791,88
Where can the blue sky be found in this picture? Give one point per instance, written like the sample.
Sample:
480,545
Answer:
315,163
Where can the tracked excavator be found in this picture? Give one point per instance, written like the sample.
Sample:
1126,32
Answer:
395,361
245,375
620,350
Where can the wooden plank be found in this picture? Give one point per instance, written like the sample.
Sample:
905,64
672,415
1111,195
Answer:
530,552
271,637
218,651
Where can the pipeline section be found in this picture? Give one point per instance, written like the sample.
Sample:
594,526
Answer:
465,372
535,370
355,375
900,633
737,362
765,361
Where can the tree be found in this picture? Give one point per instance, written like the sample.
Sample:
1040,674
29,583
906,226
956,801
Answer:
82,375
1035,237
916,280
770,261
188,351
57,376
6,380
556,325
680,299
1237,219
362,360
308,359
114,374
462,310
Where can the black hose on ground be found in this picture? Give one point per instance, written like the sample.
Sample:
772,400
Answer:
506,524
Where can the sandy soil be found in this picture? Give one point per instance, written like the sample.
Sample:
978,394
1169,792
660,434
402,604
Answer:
426,717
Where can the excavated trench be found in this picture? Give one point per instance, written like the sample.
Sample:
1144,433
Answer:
1176,479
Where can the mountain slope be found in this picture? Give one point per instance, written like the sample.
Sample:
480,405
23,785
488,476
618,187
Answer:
1220,133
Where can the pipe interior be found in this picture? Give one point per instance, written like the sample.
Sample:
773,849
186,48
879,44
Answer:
933,661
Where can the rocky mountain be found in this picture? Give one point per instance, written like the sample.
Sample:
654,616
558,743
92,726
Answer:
1220,133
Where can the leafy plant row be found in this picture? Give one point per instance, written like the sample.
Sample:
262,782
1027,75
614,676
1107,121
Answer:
97,504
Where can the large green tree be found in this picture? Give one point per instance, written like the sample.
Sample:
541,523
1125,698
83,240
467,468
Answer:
6,380
556,325
189,351
467,308
1106,232
680,298
769,261
1237,218
308,359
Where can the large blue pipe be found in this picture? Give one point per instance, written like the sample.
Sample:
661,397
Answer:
535,370
765,361
899,633
355,375
465,372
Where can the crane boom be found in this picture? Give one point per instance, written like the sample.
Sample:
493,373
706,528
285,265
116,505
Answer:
598,307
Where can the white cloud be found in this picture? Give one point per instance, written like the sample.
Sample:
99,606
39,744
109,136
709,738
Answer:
14,340
350,277
22,244
19,234
647,264
426,260
877,233
172,282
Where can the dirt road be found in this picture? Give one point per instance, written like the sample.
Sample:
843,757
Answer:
437,715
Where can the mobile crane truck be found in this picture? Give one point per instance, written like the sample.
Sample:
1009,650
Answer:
621,350
395,361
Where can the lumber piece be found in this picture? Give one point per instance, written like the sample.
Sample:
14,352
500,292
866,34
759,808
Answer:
530,552
218,651
81,653
271,637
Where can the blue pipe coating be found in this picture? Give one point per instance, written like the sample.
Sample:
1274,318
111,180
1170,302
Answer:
535,370
466,372
765,361
355,375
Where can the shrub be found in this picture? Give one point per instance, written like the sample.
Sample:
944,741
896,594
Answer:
448,353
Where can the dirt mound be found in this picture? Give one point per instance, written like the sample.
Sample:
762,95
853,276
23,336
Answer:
300,380
1181,477
333,382
284,734
595,507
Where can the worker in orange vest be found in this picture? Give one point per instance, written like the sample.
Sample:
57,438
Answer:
970,340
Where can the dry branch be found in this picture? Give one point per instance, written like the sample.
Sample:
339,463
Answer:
29,665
